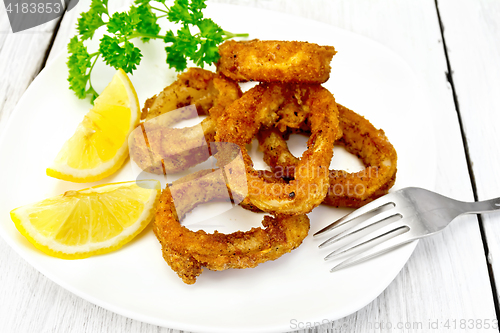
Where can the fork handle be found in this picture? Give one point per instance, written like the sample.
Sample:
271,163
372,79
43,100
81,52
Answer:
481,206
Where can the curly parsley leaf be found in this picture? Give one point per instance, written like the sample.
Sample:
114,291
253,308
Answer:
78,63
146,21
120,55
197,38
90,21
179,12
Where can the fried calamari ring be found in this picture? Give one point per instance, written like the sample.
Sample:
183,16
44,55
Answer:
260,106
360,138
275,61
187,252
160,149
196,86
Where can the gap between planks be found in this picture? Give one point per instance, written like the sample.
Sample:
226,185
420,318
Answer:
52,40
449,76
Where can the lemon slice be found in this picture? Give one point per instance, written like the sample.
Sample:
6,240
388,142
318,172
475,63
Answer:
99,146
79,224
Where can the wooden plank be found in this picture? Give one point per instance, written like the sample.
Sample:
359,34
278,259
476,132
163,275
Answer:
431,279
432,287
474,53
66,31
21,58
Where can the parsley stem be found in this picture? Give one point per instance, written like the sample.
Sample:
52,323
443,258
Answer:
140,34
160,10
91,88
228,35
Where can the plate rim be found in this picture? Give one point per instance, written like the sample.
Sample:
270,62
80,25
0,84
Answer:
131,314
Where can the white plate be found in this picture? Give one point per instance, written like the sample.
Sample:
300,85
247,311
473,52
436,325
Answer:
293,292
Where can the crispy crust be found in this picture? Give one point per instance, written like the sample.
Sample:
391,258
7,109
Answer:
260,106
275,61
187,252
160,149
346,189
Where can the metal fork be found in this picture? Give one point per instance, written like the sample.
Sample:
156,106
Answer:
396,219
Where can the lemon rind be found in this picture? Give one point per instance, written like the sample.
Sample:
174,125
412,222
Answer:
67,173
55,249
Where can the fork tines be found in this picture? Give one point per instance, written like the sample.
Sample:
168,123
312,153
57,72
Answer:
374,229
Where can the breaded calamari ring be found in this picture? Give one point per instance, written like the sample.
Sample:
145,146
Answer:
260,107
187,252
275,61
360,138
160,149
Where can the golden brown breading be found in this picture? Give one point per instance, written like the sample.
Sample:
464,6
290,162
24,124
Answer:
275,61
259,107
360,138
195,86
160,149
187,252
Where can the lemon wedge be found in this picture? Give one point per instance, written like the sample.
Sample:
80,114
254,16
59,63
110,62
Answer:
79,224
99,146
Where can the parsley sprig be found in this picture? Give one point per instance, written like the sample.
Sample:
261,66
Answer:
196,39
